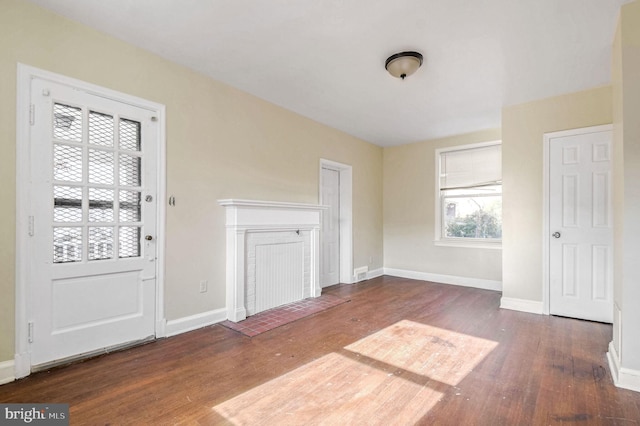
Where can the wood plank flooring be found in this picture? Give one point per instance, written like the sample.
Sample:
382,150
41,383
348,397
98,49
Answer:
400,352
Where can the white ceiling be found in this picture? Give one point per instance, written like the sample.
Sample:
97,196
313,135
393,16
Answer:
324,59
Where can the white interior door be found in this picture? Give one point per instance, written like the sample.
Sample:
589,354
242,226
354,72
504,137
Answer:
330,240
581,242
93,212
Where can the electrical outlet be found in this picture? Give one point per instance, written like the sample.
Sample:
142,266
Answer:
203,286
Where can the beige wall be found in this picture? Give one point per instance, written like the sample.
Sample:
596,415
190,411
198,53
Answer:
523,127
221,143
409,214
626,101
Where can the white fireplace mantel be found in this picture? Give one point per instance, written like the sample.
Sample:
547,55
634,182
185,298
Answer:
250,216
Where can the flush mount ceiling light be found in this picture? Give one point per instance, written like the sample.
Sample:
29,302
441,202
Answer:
403,64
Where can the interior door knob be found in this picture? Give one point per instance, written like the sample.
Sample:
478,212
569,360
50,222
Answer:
556,234
148,237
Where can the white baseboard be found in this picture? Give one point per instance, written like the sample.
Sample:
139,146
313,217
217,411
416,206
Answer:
375,273
367,275
193,322
625,378
522,305
7,372
445,279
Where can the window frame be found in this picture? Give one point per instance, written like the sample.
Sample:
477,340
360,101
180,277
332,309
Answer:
440,239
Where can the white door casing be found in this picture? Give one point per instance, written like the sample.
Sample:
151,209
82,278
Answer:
330,235
347,275
87,279
580,235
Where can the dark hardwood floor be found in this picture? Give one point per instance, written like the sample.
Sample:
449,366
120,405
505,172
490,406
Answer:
400,352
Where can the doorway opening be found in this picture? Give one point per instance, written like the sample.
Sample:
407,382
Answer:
343,175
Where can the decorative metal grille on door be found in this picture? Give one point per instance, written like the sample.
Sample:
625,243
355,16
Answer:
97,185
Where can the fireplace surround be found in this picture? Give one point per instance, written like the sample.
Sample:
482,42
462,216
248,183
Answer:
272,255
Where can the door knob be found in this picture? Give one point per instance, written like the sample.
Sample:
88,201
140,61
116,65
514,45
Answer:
556,234
148,237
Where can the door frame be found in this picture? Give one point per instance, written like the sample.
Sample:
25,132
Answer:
25,73
346,216
546,204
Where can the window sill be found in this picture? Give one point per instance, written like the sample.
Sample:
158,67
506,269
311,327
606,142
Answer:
470,244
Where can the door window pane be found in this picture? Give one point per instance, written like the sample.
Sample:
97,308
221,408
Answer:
130,208
67,123
67,244
67,204
100,129
129,241
129,170
100,205
101,167
129,135
100,243
67,163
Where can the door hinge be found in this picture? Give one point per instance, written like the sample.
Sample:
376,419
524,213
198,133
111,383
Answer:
30,331
32,114
31,226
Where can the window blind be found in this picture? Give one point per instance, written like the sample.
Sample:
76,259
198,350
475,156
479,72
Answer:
471,167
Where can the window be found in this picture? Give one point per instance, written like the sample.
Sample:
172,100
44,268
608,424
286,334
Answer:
97,171
469,191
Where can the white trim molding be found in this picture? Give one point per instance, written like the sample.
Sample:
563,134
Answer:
7,372
522,305
346,215
194,322
375,273
446,279
625,378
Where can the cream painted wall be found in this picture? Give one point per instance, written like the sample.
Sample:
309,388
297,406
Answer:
523,127
626,89
221,143
409,214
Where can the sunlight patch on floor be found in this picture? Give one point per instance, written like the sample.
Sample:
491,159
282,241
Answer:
433,352
393,376
331,390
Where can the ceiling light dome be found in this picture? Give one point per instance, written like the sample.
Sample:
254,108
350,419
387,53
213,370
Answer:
403,64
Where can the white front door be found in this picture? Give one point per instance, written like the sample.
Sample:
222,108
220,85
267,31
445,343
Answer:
330,237
92,252
580,222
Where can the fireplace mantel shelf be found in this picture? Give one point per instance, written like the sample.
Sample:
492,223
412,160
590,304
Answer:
230,202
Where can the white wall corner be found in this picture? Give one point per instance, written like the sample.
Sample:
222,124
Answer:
7,372
522,305
446,279
622,377
193,322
